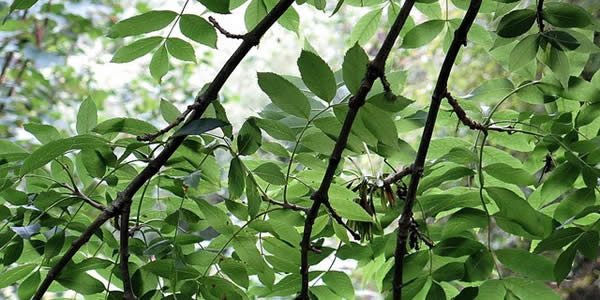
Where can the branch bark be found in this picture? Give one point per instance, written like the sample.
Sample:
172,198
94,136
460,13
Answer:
539,15
203,101
460,38
375,70
124,252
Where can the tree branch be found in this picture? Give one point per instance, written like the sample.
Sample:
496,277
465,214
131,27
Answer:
224,31
395,177
460,38
338,219
539,14
124,252
462,115
152,136
375,69
202,100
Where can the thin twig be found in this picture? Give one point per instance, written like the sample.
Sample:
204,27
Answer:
224,31
152,136
462,115
460,39
338,219
203,100
375,69
395,177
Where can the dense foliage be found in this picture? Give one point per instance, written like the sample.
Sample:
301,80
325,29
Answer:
490,195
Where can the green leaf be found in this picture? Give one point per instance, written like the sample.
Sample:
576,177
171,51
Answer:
94,163
466,218
524,52
317,75
530,289
449,272
43,133
221,6
509,174
558,239
457,247
436,292
236,178
558,62
144,23
200,126
559,39
168,111
516,209
565,15
422,34
588,113
159,65
516,23
28,287
236,271
54,149
249,138
366,27
574,204
276,129
339,283
254,199
491,90
531,265
15,274
380,124
349,209
587,244
181,49
354,67
80,282
284,94
270,173
290,19
136,49
492,289
559,181
125,125
198,30
255,12
478,266
22,4
87,116
54,244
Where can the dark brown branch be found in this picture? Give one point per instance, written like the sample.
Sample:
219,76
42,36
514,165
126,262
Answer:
154,166
375,69
395,177
539,14
124,252
462,115
152,136
224,31
338,219
460,38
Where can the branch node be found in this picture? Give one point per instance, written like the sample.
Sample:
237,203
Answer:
462,115
224,31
